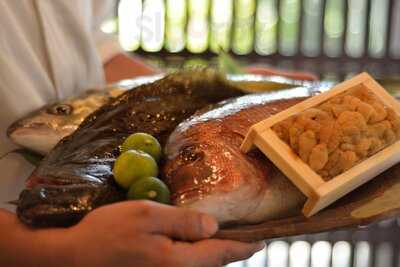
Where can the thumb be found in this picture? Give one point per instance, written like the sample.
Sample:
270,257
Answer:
180,223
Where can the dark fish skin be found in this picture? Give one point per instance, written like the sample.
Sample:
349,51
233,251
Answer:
76,176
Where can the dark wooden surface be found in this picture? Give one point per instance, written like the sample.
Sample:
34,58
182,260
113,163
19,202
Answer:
377,200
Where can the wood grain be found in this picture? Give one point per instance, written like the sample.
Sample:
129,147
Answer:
376,200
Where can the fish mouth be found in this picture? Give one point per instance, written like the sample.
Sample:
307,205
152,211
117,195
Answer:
62,206
21,128
37,137
26,121
13,128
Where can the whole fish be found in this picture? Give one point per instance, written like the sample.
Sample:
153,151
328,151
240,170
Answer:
41,130
76,176
206,171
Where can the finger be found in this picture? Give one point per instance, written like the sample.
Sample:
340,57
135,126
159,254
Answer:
177,223
214,252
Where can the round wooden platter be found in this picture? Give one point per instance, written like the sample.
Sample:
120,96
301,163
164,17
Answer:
377,200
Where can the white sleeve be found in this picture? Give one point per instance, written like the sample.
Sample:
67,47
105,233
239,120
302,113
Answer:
107,44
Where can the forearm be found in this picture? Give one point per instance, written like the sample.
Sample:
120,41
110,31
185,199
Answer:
21,246
124,66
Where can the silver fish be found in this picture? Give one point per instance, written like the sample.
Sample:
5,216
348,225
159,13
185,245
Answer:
42,129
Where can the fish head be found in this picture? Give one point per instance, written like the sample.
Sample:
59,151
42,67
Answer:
42,129
210,174
52,205
206,170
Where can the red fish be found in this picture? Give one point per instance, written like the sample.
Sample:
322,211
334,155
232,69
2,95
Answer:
206,171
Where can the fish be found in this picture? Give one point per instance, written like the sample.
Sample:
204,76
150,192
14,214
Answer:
206,171
40,130
76,176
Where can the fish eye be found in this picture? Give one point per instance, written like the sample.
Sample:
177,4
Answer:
189,154
60,109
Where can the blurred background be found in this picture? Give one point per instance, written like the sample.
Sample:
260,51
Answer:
334,39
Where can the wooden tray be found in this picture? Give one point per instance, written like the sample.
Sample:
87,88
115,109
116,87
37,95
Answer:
376,200
322,193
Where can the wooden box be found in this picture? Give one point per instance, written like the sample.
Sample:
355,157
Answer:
321,193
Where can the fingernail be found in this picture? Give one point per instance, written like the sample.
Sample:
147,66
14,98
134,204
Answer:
210,225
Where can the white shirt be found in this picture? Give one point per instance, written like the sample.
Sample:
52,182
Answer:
49,50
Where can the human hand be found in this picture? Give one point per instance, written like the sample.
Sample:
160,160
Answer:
147,234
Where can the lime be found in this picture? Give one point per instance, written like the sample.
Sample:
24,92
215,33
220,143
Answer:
144,142
149,188
132,165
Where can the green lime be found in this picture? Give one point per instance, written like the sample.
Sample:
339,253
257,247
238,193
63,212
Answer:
143,142
132,165
149,188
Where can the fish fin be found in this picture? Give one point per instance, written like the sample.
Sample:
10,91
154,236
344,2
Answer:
228,65
13,202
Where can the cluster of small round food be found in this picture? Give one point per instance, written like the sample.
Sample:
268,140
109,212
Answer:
339,133
136,169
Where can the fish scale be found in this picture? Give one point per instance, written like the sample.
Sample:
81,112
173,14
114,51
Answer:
40,130
206,171
76,176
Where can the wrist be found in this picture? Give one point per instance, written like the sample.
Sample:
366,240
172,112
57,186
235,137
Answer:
51,247
23,246
123,66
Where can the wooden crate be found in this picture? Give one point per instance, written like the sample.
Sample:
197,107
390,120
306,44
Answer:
322,193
